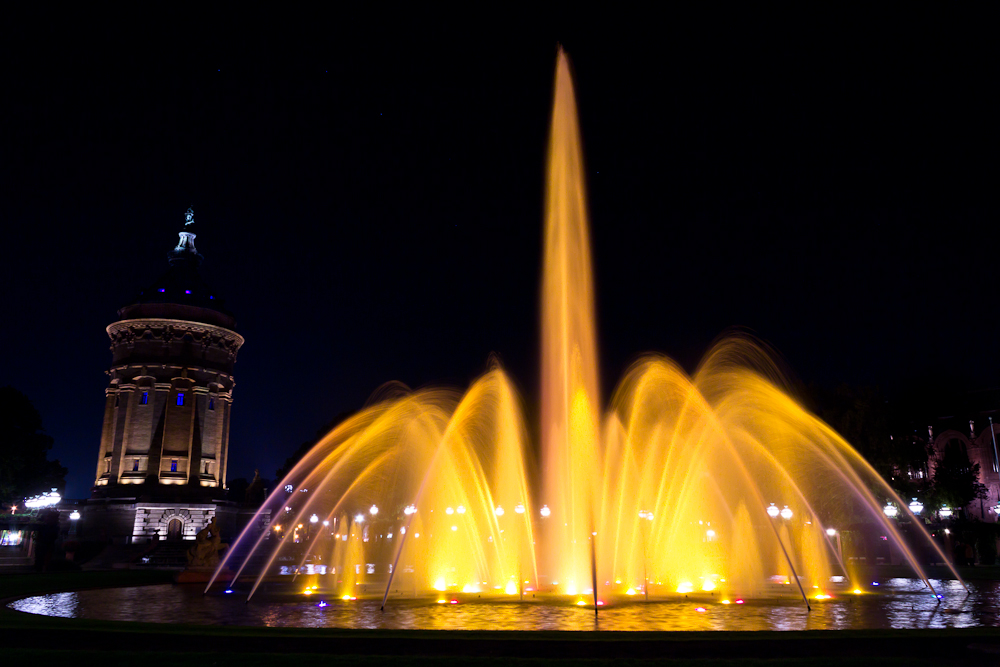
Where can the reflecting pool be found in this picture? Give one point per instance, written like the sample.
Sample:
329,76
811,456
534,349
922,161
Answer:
901,603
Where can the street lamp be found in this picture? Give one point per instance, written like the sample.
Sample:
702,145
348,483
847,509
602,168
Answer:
945,512
773,511
409,509
498,511
359,518
890,510
545,511
916,506
786,513
831,531
519,508
373,510
314,519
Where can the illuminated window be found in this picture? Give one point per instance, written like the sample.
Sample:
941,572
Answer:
211,404
180,398
145,398
135,465
173,465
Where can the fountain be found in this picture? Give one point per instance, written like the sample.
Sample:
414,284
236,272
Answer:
716,484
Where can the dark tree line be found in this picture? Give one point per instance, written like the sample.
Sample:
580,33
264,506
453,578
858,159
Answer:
25,469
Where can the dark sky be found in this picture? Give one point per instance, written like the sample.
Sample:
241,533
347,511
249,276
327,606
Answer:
369,201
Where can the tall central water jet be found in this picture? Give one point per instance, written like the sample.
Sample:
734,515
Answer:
570,428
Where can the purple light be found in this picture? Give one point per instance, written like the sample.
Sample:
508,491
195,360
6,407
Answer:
187,291
162,289
229,590
211,297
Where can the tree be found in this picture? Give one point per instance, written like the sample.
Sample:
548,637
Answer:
25,469
956,478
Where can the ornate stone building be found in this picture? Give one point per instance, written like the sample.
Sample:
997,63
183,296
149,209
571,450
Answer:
162,460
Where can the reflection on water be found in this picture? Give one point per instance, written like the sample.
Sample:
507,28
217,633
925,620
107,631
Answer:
900,603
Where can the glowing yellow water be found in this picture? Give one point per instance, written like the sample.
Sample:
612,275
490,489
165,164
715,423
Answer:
665,493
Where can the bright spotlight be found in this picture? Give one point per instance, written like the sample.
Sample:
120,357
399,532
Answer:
314,519
359,518
831,532
373,510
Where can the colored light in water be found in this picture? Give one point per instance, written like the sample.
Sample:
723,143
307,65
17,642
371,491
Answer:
709,585
700,610
229,590
511,588
823,596
322,603
454,601
739,601
630,591
581,603
857,591
442,601
685,587
725,602
307,591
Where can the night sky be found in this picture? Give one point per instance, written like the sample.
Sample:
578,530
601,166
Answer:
369,202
